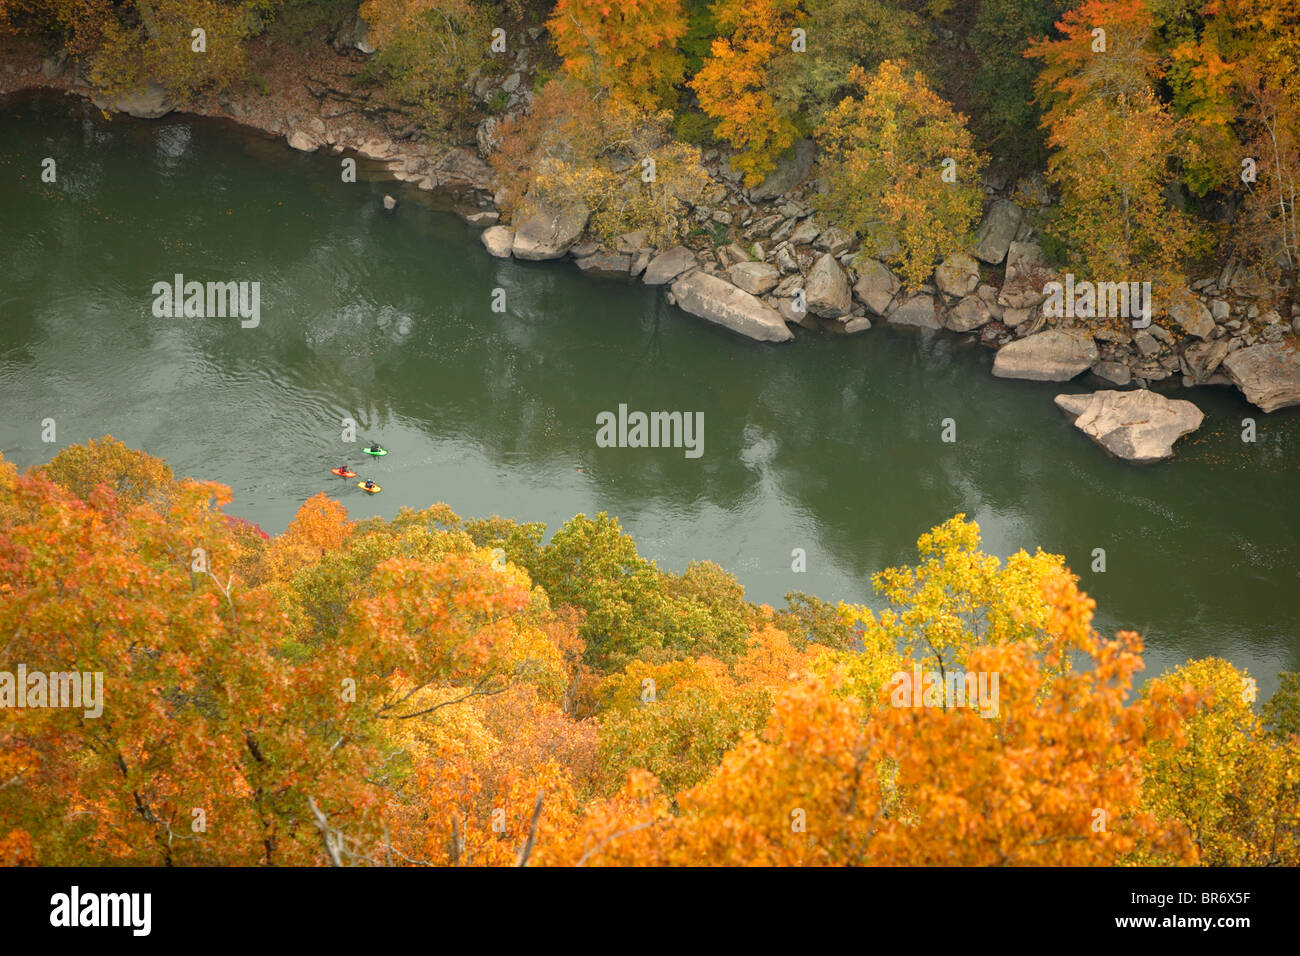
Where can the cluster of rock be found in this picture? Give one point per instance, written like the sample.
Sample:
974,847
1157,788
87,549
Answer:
761,261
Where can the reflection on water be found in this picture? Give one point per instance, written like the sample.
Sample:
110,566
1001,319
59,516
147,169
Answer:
829,445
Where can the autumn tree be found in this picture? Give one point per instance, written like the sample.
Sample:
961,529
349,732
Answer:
132,476
428,49
620,162
628,49
733,85
1235,80
1104,54
1112,164
958,598
901,171
1233,786
840,34
1053,779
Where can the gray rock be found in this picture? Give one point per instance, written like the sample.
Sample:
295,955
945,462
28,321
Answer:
917,310
990,296
789,172
788,285
969,314
499,240
1268,375
958,275
833,240
805,233
389,203
719,301
782,232
1026,275
641,262
1117,373
361,37
631,242
301,140
730,254
876,286
859,323
1219,310
459,168
488,217
785,260
1204,358
1014,318
1193,316
488,136
613,262
1051,356
1138,426
997,230
52,66
148,102
828,289
756,278
763,227
548,232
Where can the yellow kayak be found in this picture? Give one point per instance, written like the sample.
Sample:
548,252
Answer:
374,491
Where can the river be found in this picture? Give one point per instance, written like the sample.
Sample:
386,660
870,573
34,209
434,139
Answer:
832,445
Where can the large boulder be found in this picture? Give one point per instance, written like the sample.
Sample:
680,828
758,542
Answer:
876,286
1191,313
498,241
1204,358
1027,274
828,289
361,37
147,102
1000,225
459,168
969,314
719,301
1052,356
1268,375
756,278
549,231
302,140
917,310
668,265
958,275
789,172
1136,425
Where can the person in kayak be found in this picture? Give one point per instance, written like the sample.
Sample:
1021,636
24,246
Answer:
344,470
369,485
374,447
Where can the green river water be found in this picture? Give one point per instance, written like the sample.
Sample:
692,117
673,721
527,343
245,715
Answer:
827,444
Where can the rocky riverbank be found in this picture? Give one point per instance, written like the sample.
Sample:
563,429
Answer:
759,260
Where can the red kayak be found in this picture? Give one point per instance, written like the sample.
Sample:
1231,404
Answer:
342,473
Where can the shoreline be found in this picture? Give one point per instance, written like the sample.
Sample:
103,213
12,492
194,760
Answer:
782,267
